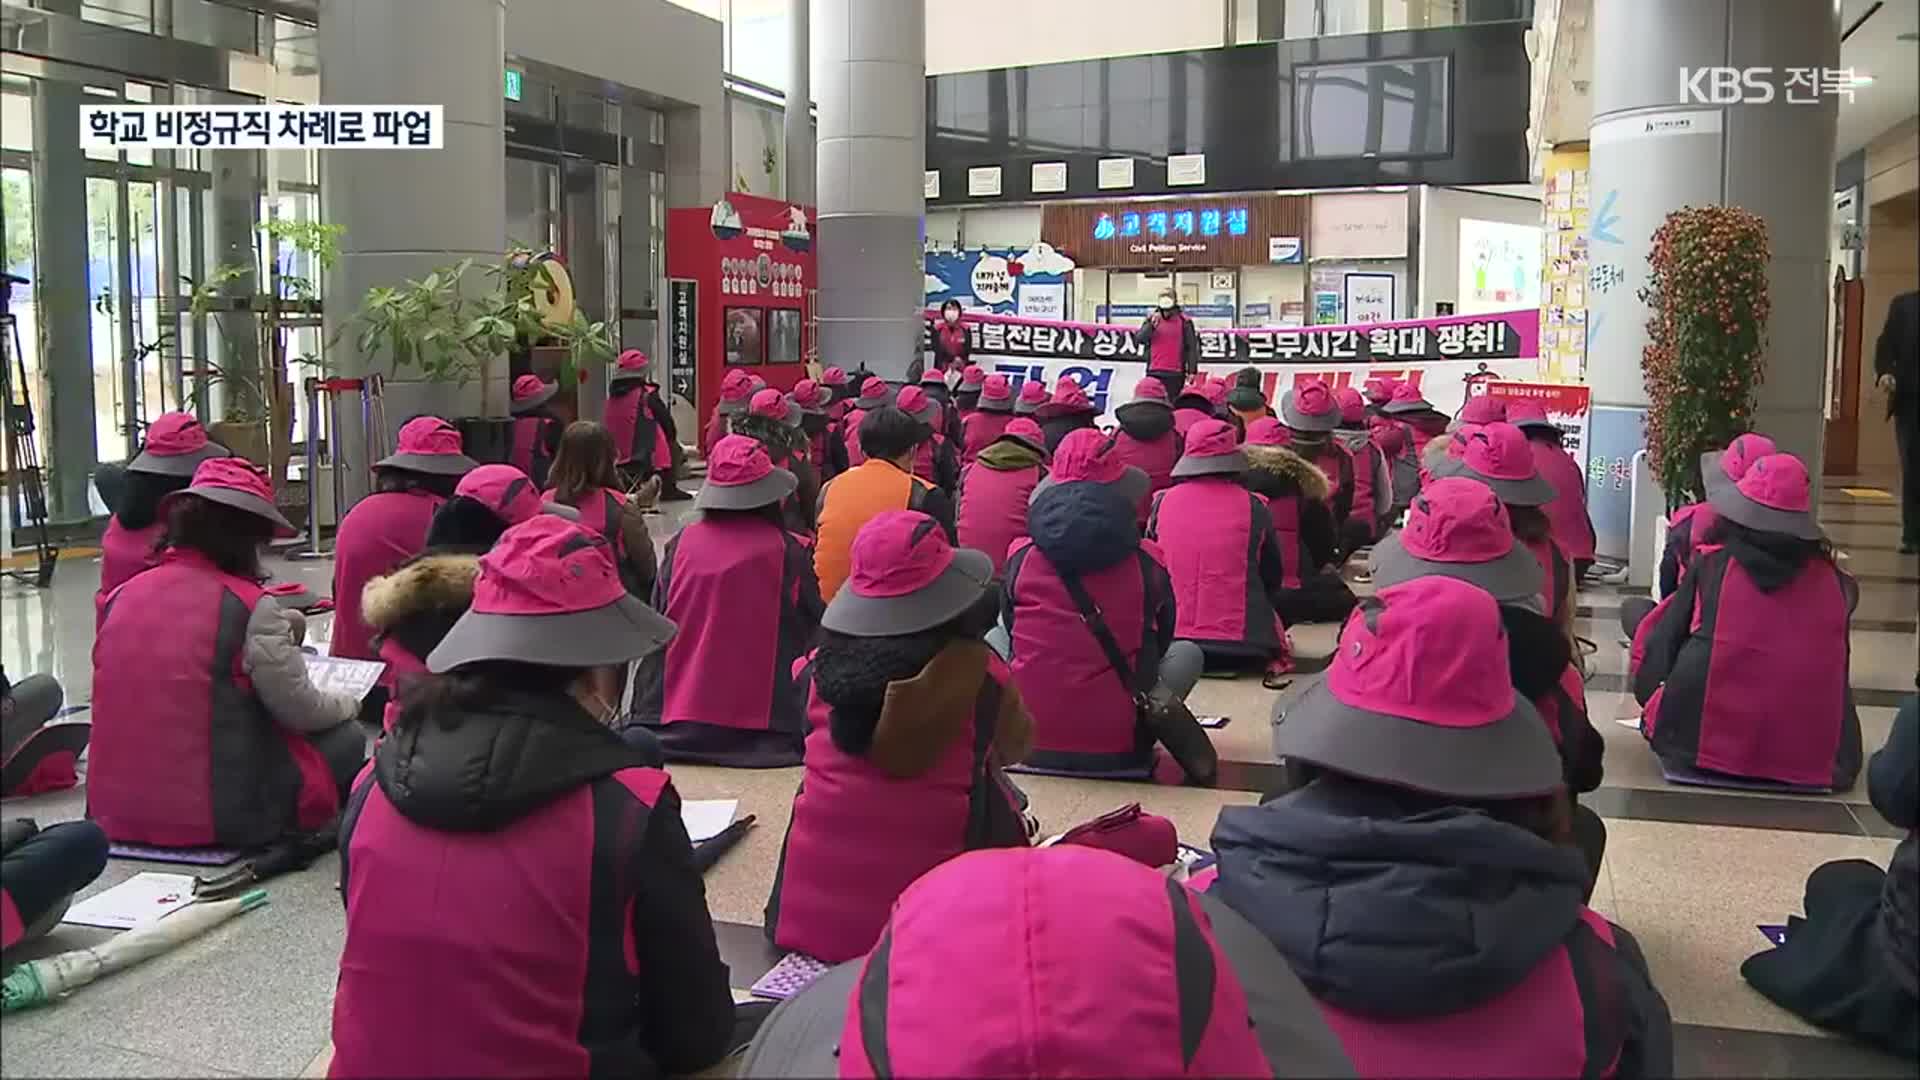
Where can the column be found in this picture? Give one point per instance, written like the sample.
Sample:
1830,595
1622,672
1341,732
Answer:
407,212
1656,146
871,182
799,124
62,294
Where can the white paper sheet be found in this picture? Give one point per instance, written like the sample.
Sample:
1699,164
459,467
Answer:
139,900
342,676
707,818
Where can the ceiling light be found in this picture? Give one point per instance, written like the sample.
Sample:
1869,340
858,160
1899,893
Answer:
1861,79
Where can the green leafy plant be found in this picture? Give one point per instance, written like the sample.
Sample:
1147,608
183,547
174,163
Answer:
1707,301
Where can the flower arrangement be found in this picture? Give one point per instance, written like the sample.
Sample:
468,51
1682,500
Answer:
1706,295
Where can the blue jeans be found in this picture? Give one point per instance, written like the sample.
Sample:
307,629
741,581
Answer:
46,869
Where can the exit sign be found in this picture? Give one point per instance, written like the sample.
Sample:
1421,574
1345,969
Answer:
513,85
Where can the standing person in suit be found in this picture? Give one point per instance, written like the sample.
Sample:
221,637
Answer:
1896,362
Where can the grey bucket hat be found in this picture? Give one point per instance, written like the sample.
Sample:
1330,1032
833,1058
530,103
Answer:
1132,485
1499,456
1419,696
526,402
1781,480
906,578
233,482
751,495
548,594
1211,449
176,445
1293,417
1536,490
428,444
1457,528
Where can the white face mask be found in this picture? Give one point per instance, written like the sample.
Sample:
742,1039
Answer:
952,317
1166,305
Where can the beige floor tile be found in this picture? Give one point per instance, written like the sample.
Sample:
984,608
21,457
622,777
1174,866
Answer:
1693,894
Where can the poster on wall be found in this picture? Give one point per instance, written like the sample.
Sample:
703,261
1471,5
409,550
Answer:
1042,301
1568,405
1442,356
1326,308
996,279
759,139
1369,298
1499,265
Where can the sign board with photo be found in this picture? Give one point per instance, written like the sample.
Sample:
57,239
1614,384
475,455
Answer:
1369,298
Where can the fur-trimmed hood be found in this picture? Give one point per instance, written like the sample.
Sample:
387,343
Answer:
420,601
1286,472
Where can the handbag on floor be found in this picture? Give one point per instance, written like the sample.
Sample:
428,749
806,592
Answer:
1163,714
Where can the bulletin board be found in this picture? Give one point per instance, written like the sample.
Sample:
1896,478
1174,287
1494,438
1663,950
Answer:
1565,206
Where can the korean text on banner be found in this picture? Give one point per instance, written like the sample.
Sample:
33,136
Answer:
1568,405
263,127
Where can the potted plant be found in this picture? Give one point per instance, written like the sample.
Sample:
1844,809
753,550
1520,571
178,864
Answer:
1707,301
430,326
256,415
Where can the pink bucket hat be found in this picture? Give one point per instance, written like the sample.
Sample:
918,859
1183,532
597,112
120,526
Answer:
1482,409
1405,399
633,364
1148,393
1033,394
736,389
548,593
833,377
740,476
811,397
510,494
905,578
1525,413
972,378
1212,449
1025,432
529,393
918,404
1068,397
996,394
1353,407
933,377
1215,392
1726,467
1419,696
874,393
773,405
428,444
1774,495
1310,406
1498,456
176,445
927,1001
1267,431
1087,455
236,482
1456,528
1380,389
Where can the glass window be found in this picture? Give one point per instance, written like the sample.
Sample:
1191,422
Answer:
1387,108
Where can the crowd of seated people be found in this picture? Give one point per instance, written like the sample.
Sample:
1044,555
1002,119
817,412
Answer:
994,587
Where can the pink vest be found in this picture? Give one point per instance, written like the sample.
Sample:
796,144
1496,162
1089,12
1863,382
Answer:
183,752
1205,528
529,452
924,456
1337,462
855,455
1543,1026
1285,510
11,928
1155,458
979,429
859,837
382,531
600,511
1556,569
993,508
124,553
472,954
725,581
1083,715
1775,704
1164,351
1367,465
1572,530
628,418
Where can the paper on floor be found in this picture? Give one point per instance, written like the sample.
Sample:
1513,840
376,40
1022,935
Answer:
139,900
707,818
342,676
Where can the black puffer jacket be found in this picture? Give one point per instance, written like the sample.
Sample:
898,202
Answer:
1083,527
1404,910
1893,784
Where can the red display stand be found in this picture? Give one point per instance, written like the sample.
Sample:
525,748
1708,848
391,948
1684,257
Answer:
741,284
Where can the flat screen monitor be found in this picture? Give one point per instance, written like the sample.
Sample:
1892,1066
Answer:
1376,109
746,329
783,338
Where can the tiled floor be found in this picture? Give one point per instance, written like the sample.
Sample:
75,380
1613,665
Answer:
1690,872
